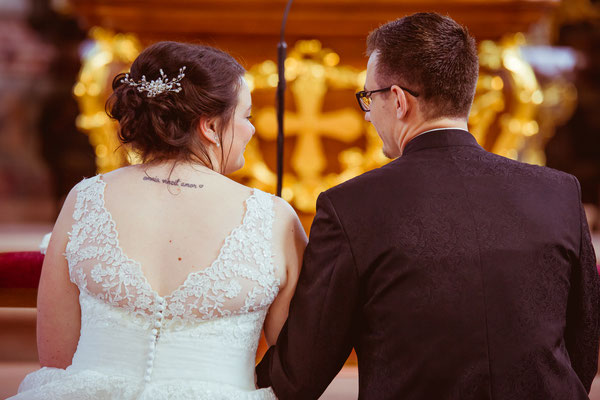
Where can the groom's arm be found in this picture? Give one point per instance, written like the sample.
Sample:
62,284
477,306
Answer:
318,335
582,330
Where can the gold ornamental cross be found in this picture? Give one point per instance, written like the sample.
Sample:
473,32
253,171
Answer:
309,124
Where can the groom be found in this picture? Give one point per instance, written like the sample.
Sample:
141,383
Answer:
454,273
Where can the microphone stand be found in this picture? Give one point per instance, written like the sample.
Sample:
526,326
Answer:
281,54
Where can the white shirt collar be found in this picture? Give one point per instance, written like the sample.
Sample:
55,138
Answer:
440,129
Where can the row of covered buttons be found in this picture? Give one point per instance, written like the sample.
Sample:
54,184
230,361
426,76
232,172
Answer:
158,318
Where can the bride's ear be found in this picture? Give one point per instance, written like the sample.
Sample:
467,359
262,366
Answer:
207,128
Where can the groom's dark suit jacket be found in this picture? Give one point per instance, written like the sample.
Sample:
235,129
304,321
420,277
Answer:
454,273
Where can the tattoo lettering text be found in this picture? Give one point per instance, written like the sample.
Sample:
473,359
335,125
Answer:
176,182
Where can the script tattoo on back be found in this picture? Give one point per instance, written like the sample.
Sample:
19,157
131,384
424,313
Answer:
176,182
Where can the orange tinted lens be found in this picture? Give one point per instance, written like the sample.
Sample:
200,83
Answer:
366,102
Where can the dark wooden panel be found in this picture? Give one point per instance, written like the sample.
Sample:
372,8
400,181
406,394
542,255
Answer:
188,19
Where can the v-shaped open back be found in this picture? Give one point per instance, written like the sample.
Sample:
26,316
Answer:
240,279
198,342
206,270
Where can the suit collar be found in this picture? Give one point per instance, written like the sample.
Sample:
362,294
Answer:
440,138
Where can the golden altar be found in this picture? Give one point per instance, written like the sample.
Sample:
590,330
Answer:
327,139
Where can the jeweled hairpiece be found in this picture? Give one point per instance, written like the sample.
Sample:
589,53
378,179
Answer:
157,86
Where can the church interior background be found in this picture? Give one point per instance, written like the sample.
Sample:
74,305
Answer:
536,101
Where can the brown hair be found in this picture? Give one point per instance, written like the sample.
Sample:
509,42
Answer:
432,55
164,127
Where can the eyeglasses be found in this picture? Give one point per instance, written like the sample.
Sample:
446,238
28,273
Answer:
364,96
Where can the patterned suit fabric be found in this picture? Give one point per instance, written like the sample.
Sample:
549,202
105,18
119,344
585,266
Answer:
454,273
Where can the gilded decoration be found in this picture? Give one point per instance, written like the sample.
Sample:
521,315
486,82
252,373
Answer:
313,73
327,139
513,115
105,55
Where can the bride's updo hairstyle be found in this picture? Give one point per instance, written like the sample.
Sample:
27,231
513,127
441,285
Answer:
164,126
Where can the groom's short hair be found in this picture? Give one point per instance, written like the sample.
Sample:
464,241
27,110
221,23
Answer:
432,55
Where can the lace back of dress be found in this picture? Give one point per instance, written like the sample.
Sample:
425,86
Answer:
240,280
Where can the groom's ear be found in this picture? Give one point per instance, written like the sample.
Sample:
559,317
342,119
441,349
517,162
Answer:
400,102
207,128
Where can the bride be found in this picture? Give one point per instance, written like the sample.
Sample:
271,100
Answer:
159,277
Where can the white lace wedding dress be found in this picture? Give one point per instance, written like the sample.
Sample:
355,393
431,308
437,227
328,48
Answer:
199,342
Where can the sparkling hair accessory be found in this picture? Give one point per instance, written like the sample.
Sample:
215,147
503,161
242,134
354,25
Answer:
158,86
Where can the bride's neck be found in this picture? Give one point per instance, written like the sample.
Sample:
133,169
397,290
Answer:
178,168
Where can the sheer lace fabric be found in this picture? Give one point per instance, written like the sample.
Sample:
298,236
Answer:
198,342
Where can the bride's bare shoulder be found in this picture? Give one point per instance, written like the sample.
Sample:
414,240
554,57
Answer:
286,220
283,209
119,174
